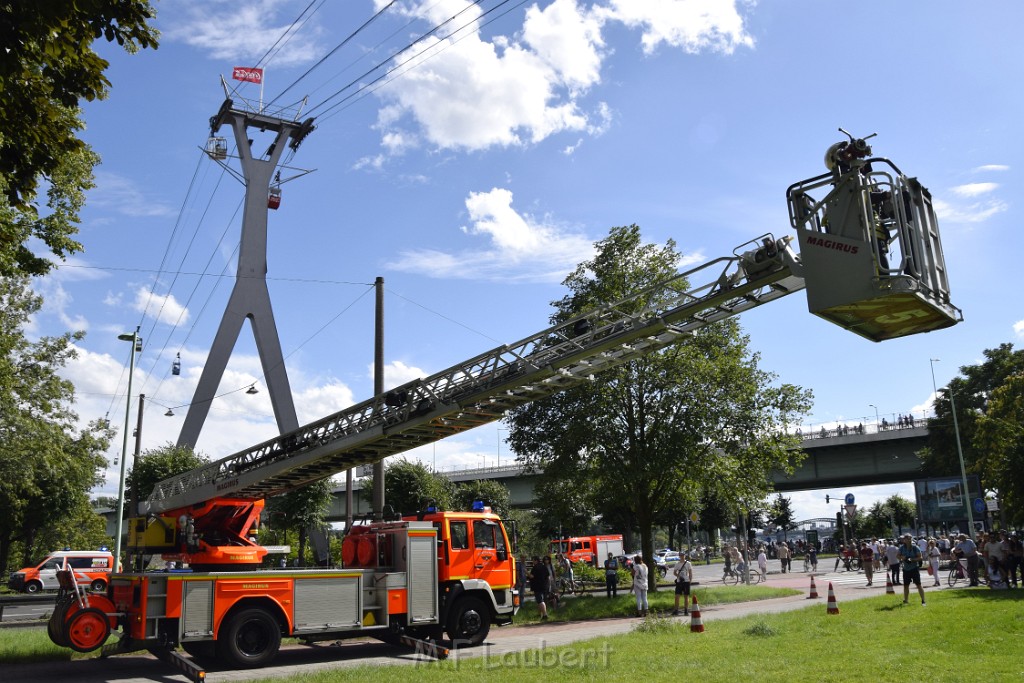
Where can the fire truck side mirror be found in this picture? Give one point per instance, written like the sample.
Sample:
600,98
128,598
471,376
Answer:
502,554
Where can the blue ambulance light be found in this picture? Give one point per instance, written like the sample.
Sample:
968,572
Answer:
478,506
431,509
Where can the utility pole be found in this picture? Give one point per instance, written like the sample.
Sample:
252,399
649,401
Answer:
378,389
250,298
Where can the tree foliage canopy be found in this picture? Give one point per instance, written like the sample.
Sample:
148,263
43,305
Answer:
47,67
47,464
669,427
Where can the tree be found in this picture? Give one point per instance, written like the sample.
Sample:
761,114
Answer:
47,463
48,68
971,392
490,492
1000,437
562,507
409,485
902,512
301,510
697,416
156,464
781,514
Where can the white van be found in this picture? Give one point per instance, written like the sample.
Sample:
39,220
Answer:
92,569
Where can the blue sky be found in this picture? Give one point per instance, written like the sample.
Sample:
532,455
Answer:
474,182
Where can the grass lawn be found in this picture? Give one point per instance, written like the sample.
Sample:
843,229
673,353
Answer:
979,630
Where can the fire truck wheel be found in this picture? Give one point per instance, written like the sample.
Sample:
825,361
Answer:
469,622
250,639
33,587
87,629
99,586
57,625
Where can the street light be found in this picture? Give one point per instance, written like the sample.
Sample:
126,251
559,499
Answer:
877,421
136,341
959,448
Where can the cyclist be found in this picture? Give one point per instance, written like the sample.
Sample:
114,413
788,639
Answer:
566,566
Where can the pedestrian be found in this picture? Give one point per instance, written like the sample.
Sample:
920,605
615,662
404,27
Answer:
727,557
892,558
539,586
611,576
911,557
1014,558
784,556
640,585
683,572
762,563
552,582
812,556
867,556
933,556
968,549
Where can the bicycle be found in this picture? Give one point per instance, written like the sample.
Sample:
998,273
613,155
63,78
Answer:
569,586
732,577
958,573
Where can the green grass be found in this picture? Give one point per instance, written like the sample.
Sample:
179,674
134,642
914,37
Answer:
977,630
21,645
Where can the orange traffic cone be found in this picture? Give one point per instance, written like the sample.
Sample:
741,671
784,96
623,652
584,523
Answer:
814,591
833,606
889,590
696,624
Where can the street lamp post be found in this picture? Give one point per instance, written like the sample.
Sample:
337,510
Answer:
959,448
878,422
136,341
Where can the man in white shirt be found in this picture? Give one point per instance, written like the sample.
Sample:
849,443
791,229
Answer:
683,572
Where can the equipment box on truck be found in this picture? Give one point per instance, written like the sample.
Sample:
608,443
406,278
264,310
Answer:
91,567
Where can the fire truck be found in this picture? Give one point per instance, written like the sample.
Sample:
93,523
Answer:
590,549
870,260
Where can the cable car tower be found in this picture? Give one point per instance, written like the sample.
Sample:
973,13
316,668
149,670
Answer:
250,298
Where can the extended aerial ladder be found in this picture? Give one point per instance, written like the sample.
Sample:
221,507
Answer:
209,510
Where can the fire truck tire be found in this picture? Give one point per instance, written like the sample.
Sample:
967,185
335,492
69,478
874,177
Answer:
469,622
87,629
250,639
57,625
33,587
99,586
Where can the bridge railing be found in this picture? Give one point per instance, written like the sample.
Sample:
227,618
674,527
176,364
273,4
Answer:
886,423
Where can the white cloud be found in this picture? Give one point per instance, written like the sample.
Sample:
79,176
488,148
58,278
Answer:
228,30
974,189
397,373
164,308
1018,328
691,25
978,212
520,246
991,167
120,194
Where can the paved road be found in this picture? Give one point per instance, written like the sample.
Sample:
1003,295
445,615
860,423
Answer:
502,644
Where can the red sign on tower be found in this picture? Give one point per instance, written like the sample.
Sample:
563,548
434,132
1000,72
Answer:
245,73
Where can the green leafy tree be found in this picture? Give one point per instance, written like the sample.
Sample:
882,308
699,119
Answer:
47,464
780,513
156,464
409,485
301,510
562,507
696,416
1000,438
971,391
48,68
491,492
901,511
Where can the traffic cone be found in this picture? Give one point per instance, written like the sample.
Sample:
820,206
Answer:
833,606
814,591
889,590
696,624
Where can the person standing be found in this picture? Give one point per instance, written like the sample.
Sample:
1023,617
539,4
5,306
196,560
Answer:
812,557
539,586
892,558
933,555
683,572
762,563
867,556
611,576
640,585
910,557
967,549
784,556
552,585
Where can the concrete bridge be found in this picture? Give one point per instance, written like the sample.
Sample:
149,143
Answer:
868,454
